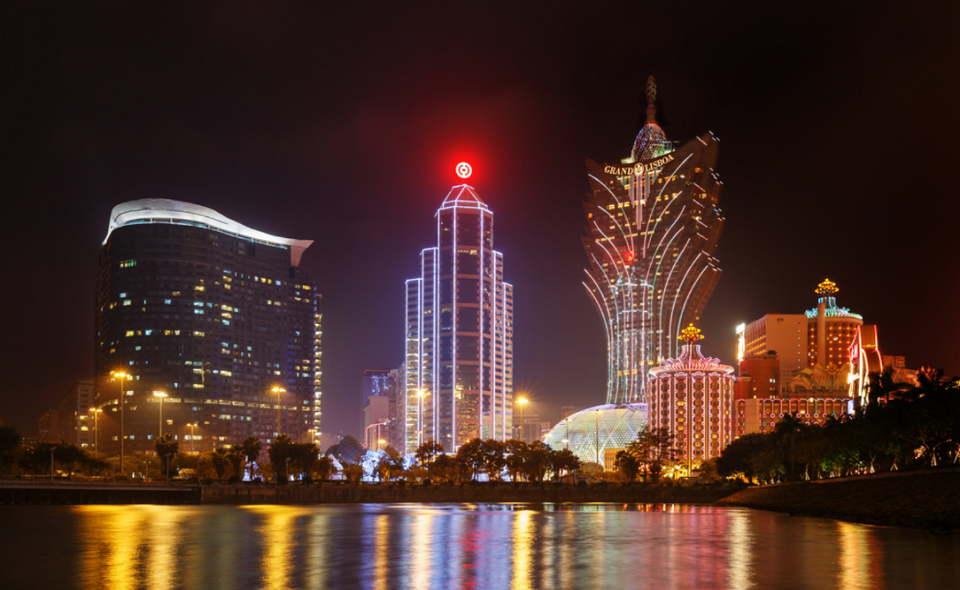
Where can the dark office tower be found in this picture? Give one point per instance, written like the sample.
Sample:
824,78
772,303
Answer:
652,228
459,334
217,316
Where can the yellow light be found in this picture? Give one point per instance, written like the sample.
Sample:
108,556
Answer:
159,394
522,400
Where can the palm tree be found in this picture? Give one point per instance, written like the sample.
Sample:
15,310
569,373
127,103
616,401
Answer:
220,459
166,449
250,448
235,457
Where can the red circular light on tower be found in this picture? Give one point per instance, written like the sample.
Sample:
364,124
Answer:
464,170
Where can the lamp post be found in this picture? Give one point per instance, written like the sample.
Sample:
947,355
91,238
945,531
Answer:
278,391
161,395
521,402
121,375
366,433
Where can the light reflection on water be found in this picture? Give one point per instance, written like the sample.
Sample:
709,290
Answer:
521,547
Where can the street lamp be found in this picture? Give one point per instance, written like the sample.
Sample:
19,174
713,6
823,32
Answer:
96,429
366,433
161,395
121,375
278,391
522,402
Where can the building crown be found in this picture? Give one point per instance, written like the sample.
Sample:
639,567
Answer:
690,334
827,287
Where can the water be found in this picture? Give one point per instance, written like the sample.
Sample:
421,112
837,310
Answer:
418,546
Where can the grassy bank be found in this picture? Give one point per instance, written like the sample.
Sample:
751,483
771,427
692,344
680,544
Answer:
927,500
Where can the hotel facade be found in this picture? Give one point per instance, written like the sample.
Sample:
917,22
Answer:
201,320
652,226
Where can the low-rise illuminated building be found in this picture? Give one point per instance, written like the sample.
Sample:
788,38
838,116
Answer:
593,433
692,397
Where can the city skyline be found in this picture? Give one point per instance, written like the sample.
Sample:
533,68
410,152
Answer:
834,142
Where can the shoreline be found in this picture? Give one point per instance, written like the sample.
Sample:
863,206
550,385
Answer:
926,500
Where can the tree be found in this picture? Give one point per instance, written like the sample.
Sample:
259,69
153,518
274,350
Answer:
323,468
219,458
427,451
303,456
251,447
471,457
390,465
445,469
235,457
494,458
536,460
735,458
166,448
279,452
10,440
654,449
515,452
563,460
627,465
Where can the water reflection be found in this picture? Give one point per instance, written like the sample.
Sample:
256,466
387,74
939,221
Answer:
460,546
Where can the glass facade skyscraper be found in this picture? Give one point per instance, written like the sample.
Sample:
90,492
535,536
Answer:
217,316
459,332
652,228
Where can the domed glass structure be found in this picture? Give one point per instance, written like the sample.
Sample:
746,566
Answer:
611,426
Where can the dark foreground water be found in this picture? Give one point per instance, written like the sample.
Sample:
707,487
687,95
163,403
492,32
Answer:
460,546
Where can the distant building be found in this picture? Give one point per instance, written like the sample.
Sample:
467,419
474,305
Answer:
782,336
49,429
218,316
73,415
692,397
459,332
533,428
375,382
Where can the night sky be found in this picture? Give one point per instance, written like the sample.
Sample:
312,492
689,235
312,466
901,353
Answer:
342,123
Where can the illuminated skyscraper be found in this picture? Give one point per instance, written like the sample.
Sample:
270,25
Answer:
652,228
459,331
217,316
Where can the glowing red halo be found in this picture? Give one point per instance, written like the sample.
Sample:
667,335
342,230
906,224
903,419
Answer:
464,170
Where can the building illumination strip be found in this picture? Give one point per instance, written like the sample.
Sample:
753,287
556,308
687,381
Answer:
666,285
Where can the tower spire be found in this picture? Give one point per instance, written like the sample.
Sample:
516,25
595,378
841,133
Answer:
651,100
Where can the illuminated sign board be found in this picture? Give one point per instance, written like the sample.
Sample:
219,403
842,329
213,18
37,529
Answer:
639,167
464,170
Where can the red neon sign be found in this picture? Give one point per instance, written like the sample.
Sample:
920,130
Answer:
464,170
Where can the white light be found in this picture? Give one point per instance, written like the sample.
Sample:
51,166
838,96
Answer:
464,170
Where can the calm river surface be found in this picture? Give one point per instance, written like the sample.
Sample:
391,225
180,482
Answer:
515,546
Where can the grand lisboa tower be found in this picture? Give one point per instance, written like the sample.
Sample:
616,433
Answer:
652,228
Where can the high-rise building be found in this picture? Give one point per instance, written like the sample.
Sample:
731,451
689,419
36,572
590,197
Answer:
459,331
652,228
74,418
692,397
218,316
374,382
49,430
